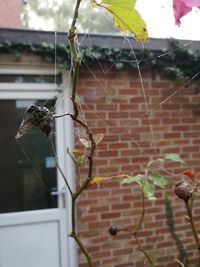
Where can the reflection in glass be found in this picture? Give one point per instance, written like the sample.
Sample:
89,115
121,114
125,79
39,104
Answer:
27,169
27,78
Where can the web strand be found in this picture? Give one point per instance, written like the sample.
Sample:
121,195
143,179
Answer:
33,168
99,60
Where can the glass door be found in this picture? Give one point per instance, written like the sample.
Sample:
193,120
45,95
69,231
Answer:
27,167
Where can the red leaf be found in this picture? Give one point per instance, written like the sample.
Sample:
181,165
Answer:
189,173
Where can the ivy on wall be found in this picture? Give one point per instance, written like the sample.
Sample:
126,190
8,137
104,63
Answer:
179,63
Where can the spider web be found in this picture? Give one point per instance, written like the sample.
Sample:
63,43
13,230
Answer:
147,113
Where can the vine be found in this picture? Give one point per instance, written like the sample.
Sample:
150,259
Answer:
178,62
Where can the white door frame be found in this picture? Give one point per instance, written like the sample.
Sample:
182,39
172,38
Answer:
64,140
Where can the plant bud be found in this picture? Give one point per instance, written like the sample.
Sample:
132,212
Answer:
113,230
183,190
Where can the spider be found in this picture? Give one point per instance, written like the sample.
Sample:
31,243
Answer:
36,116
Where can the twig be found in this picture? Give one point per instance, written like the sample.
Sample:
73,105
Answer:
82,247
76,61
90,156
194,231
142,250
135,236
75,65
138,227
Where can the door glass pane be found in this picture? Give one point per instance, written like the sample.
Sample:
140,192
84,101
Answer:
30,78
27,167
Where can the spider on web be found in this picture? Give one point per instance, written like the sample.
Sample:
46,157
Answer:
36,116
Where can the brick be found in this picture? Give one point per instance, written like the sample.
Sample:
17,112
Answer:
100,193
10,14
122,251
102,254
111,153
121,206
100,225
118,145
88,234
172,135
118,110
120,161
190,149
160,85
107,170
88,218
145,233
109,184
98,209
87,202
129,92
110,138
180,127
105,107
171,106
114,115
110,215
93,83
120,191
95,99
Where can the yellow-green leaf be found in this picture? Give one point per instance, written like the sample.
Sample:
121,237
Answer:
77,153
126,17
128,4
98,179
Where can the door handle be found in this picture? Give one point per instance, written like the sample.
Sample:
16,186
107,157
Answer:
60,193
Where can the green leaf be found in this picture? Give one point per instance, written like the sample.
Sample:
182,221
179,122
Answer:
160,180
125,17
148,190
174,157
137,178
145,187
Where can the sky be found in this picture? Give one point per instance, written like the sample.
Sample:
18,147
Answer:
158,15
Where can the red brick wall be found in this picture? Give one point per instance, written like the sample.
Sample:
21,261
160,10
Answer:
10,11
113,103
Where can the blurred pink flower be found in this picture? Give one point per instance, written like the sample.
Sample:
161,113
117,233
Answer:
192,3
182,7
